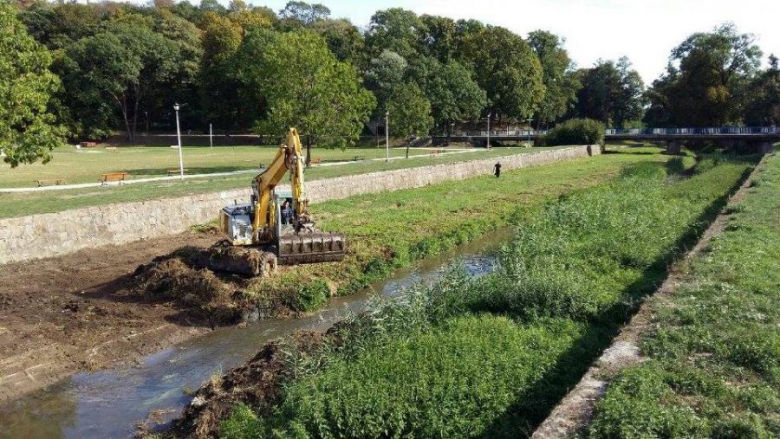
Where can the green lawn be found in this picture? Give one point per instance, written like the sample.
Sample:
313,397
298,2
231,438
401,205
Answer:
20,204
491,357
714,348
85,165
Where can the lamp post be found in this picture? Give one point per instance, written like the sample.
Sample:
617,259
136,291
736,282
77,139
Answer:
387,136
178,138
530,119
488,130
211,137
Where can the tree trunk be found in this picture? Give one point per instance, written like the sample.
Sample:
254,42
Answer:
449,133
308,150
135,117
123,107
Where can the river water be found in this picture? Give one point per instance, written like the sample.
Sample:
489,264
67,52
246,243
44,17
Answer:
110,403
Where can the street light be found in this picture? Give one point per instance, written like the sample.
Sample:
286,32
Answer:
488,130
387,136
530,119
178,138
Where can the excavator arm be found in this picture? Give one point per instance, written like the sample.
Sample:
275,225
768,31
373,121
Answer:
289,157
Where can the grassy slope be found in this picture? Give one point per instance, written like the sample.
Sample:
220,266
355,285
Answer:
12,205
714,368
391,229
491,357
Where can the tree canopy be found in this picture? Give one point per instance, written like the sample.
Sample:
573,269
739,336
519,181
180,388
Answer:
707,80
308,88
28,131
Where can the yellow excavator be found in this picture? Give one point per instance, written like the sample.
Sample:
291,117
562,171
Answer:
275,227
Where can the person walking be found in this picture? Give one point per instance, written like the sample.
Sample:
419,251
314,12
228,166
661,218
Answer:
497,169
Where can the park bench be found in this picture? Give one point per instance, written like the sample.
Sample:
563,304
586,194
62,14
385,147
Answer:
359,158
113,176
49,182
172,172
316,161
88,144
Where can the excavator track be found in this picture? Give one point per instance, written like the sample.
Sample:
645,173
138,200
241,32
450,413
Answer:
309,248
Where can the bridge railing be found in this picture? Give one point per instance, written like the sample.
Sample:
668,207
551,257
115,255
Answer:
500,133
711,131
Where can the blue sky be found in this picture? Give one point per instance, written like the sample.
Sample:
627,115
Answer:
644,30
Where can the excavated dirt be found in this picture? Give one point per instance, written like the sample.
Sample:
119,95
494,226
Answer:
79,312
256,384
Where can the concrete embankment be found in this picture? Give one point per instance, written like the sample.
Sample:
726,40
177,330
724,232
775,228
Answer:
46,235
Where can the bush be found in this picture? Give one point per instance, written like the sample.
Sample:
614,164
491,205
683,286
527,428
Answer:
576,132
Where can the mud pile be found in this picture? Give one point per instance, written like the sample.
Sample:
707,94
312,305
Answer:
199,292
257,384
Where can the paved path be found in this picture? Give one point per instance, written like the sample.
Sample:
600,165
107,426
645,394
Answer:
214,174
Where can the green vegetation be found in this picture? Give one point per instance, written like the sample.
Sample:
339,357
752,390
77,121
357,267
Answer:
392,229
714,79
87,166
490,357
27,131
576,132
713,367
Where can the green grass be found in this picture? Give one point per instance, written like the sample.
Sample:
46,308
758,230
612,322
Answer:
389,230
491,357
714,352
156,161
86,165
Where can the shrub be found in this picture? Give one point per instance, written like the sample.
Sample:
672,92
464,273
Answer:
576,132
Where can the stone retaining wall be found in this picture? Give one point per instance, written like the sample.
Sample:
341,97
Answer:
53,234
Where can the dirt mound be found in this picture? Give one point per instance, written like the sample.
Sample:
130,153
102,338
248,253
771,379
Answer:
198,291
256,384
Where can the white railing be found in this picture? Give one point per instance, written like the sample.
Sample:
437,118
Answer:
501,133
712,131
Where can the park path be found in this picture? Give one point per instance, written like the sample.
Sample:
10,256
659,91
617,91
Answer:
213,174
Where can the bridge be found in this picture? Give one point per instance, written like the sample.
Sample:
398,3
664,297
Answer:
760,138
757,138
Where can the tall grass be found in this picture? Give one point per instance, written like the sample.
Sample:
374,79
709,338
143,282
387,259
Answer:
714,355
489,357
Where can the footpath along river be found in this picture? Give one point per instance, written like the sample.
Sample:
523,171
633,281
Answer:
111,403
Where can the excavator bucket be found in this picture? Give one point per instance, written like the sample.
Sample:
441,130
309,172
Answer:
309,248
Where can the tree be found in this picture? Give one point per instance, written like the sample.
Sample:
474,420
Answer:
560,83
384,75
218,85
120,67
453,94
763,106
409,112
612,93
304,13
507,69
438,37
308,88
343,38
708,78
27,129
396,30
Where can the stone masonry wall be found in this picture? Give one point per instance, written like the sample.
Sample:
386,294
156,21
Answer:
53,234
